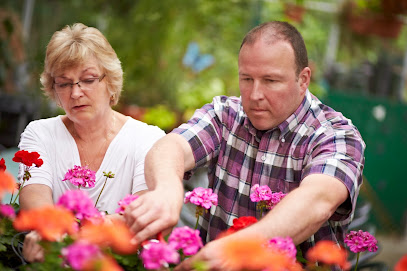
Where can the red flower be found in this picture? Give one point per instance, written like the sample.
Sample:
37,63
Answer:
2,164
51,222
28,158
238,224
329,253
116,235
401,264
7,182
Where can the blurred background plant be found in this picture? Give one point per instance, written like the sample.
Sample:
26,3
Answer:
178,54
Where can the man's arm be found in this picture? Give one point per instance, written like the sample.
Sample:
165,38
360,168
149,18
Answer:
159,209
299,215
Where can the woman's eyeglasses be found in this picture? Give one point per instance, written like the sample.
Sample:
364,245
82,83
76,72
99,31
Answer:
85,84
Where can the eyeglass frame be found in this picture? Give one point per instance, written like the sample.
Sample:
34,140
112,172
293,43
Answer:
100,78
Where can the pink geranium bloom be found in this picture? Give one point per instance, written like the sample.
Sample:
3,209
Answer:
125,202
79,203
7,211
201,197
275,198
157,255
260,193
81,176
359,241
186,239
284,245
79,253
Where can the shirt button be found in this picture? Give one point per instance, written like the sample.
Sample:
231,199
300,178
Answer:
263,158
283,140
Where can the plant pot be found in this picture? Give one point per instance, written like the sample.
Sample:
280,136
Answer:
375,25
294,12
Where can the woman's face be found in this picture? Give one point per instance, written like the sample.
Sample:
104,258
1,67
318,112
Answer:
82,92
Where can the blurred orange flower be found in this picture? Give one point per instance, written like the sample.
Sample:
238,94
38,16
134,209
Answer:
51,222
329,253
104,263
251,253
401,265
114,233
7,182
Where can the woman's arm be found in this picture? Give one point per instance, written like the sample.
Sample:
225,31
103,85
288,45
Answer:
35,195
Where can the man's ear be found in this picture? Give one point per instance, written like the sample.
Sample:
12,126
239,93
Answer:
304,78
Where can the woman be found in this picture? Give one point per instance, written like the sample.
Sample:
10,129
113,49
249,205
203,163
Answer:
83,75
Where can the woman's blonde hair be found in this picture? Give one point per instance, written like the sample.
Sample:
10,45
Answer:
71,47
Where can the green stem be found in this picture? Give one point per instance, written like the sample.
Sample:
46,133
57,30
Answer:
261,212
17,193
357,261
11,199
101,192
196,225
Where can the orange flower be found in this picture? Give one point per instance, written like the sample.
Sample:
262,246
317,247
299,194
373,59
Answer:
251,253
327,252
114,234
104,263
51,222
401,265
7,182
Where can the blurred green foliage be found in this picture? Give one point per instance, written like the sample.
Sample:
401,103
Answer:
151,39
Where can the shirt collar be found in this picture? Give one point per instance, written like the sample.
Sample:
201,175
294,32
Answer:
293,120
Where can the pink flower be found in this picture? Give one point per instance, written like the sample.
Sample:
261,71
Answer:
157,255
275,198
81,176
202,197
79,203
260,193
284,245
359,241
79,253
186,239
124,202
7,211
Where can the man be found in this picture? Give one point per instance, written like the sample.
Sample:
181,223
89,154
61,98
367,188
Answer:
277,134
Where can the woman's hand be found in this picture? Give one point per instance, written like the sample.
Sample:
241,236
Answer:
32,251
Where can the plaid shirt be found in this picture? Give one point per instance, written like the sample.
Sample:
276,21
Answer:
314,139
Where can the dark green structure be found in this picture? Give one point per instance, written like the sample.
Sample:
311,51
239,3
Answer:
385,136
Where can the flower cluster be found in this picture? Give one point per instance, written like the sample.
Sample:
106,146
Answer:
201,197
125,202
51,222
77,254
7,210
186,239
359,241
79,203
81,176
284,245
28,158
328,253
2,164
265,198
158,253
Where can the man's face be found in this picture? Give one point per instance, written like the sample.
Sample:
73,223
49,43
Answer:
269,86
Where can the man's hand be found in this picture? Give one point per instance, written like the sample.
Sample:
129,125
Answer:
210,254
153,212
32,251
